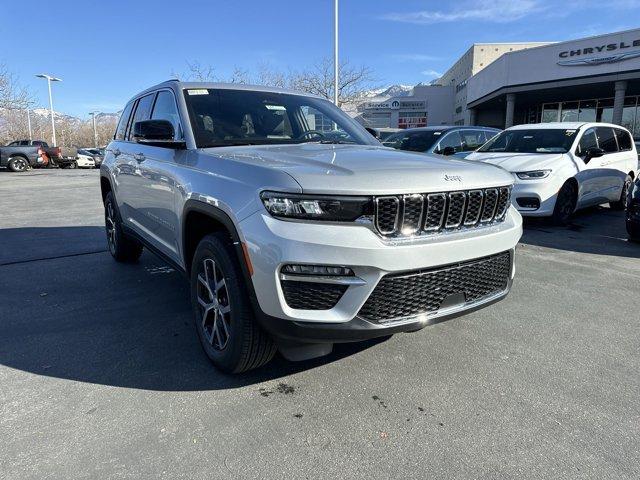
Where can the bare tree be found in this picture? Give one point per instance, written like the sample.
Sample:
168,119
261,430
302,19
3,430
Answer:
12,95
353,81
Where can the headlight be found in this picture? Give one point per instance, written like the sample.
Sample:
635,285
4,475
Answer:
533,174
316,207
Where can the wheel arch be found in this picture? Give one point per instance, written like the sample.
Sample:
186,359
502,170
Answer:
200,219
105,187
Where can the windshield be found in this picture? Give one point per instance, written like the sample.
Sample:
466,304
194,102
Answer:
531,141
413,141
222,117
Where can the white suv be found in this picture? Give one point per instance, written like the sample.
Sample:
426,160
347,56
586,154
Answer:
561,167
296,228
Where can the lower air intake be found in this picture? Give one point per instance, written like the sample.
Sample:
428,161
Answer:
401,296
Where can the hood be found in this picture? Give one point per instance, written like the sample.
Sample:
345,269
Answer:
518,162
366,169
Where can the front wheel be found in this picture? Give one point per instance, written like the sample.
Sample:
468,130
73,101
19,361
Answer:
227,329
122,247
621,204
17,164
565,204
73,164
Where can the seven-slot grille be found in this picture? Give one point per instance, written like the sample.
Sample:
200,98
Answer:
405,295
411,214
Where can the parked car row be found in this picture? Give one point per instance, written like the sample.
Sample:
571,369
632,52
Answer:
558,168
21,155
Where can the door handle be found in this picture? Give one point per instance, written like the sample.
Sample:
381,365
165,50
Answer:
139,157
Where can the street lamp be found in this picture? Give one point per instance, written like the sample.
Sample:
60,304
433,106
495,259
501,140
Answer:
49,80
95,135
335,52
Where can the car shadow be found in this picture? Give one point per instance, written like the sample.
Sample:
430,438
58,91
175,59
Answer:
83,317
597,230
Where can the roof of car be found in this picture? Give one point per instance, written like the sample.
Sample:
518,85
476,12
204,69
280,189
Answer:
442,128
220,86
561,125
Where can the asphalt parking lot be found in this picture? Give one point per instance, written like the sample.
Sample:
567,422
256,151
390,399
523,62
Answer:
102,376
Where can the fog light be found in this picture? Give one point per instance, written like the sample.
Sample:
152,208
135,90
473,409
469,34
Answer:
328,270
528,202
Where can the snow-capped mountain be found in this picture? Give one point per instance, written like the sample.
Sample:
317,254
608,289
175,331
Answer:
390,91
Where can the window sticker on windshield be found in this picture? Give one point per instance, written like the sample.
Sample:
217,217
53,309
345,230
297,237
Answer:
437,133
275,107
198,91
528,137
568,133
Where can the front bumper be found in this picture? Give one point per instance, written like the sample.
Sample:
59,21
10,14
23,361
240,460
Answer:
273,243
544,190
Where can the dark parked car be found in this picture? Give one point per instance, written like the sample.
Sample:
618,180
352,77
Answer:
18,156
458,141
633,211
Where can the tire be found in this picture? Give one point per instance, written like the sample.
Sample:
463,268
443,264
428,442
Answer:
73,165
565,204
122,247
18,164
633,229
622,203
226,326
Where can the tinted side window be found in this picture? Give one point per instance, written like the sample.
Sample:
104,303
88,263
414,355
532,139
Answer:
588,140
165,109
472,139
122,123
606,139
451,139
624,140
143,111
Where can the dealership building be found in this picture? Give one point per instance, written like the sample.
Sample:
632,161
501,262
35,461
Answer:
503,84
591,79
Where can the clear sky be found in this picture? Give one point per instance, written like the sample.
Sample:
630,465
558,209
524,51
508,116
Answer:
106,51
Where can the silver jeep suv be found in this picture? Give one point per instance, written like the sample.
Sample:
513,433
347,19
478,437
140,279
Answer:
296,228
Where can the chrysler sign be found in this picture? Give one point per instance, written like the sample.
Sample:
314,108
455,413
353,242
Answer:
583,56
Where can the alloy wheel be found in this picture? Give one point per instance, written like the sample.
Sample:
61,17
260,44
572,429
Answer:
213,302
19,164
110,225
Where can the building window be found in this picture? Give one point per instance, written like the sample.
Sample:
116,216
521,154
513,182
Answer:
459,110
595,110
570,112
550,112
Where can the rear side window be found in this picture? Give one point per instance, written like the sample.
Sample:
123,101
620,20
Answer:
122,123
472,139
624,140
451,139
165,109
606,139
143,111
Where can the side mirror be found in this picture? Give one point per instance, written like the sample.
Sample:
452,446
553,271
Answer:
159,133
447,151
372,131
593,152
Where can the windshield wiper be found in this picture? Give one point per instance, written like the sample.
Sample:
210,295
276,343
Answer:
228,144
336,142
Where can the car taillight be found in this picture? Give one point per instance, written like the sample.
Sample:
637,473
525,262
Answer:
40,152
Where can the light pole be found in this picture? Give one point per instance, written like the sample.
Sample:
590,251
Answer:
335,52
95,135
29,123
53,124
